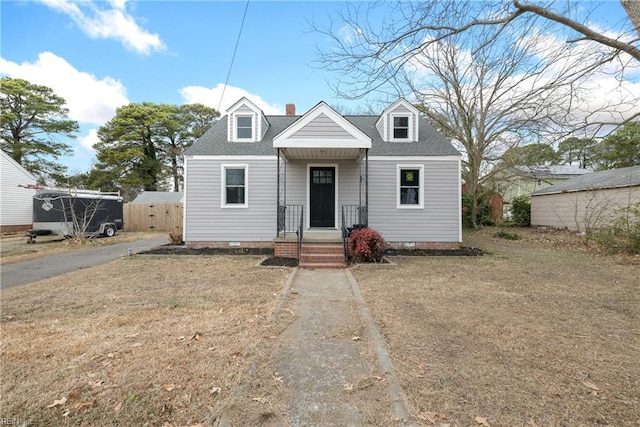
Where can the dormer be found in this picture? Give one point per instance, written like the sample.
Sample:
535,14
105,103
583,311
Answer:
246,122
399,122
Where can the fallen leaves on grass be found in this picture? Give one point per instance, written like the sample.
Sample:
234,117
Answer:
58,402
215,390
261,400
82,405
482,421
169,386
196,336
433,417
590,385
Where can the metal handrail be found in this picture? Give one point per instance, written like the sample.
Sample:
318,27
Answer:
300,231
353,218
291,220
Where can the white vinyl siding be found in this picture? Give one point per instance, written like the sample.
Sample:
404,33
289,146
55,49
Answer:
582,209
322,127
17,201
205,218
439,219
347,172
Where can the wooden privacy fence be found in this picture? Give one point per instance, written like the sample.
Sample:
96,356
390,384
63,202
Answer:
152,217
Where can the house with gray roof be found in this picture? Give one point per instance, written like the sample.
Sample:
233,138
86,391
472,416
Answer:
588,201
297,181
150,197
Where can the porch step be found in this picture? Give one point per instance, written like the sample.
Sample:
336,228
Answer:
322,255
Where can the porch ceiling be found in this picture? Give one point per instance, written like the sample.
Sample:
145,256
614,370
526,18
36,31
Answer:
325,153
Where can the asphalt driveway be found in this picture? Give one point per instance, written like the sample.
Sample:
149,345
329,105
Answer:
25,272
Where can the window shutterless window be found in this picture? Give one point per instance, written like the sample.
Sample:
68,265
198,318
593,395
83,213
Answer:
410,186
244,127
401,127
234,191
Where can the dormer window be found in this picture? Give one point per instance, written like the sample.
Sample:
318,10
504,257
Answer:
244,127
246,122
399,122
401,127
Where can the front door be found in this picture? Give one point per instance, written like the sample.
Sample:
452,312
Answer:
322,196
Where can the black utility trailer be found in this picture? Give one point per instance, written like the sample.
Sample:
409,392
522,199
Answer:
70,213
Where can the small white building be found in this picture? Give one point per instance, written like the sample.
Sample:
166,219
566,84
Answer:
588,201
16,201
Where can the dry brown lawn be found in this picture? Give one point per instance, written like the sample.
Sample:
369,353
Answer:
540,332
142,341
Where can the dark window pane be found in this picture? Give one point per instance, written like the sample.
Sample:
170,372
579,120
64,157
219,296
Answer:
235,176
235,195
409,196
244,122
409,177
401,122
401,133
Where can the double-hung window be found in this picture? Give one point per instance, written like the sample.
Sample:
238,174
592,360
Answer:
244,127
234,186
400,127
410,186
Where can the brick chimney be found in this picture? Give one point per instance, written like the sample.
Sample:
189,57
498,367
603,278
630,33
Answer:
291,109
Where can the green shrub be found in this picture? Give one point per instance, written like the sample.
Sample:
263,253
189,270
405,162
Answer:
366,245
484,212
506,235
521,211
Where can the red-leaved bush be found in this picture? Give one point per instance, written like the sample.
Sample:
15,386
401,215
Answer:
366,245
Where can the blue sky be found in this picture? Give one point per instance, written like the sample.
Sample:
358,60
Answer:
101,55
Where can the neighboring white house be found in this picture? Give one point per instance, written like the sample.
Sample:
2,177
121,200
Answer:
255,180
587,201
16,201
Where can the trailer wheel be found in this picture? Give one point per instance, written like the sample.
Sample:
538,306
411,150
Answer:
109,231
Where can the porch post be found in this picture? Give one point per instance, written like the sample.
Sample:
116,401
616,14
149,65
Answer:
366,186
278,195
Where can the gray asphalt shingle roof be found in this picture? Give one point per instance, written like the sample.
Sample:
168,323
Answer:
159,197
553,171
613,178
214,141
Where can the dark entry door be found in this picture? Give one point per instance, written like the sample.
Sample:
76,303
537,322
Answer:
322,197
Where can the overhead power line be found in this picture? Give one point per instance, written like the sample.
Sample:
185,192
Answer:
224,89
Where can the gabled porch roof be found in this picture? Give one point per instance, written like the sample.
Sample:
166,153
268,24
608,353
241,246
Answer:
322,133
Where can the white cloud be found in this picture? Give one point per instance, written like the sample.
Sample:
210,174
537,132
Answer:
100,22
89,99
87,141
211,97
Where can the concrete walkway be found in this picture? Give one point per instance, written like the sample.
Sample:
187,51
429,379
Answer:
319,356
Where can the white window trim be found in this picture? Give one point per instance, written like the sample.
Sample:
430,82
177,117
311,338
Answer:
399,169
409,137
252,138
223,186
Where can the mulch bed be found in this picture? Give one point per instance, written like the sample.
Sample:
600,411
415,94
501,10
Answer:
292,262
463,251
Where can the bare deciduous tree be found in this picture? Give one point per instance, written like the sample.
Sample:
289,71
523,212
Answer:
486,81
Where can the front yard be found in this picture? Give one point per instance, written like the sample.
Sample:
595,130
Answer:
539,332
